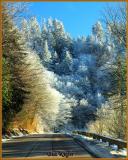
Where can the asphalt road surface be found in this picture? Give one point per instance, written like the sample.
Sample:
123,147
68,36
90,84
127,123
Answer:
43,145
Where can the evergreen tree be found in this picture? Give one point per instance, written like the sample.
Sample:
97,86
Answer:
34,35
44,33
25,31
13,86
62,40
54,57
90,44
46,53
97,31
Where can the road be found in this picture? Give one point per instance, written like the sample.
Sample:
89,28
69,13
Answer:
43,145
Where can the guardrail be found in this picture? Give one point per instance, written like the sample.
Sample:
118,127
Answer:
16,132
120,143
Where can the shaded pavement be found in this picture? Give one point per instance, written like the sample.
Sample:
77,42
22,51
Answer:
43,145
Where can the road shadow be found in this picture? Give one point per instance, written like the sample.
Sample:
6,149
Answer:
42,145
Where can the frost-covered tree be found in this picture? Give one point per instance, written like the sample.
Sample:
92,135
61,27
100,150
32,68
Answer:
108,121
55,57
63,116
35,34
41,106
79,46
25,31
62,39
65,67
89,44
115,21
68,58
46,55
50,35
44,32
31,32
98,45
13,90
97,31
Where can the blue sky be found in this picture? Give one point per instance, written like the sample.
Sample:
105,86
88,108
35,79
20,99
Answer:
77,17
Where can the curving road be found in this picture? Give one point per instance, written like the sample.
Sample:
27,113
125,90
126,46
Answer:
43,145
